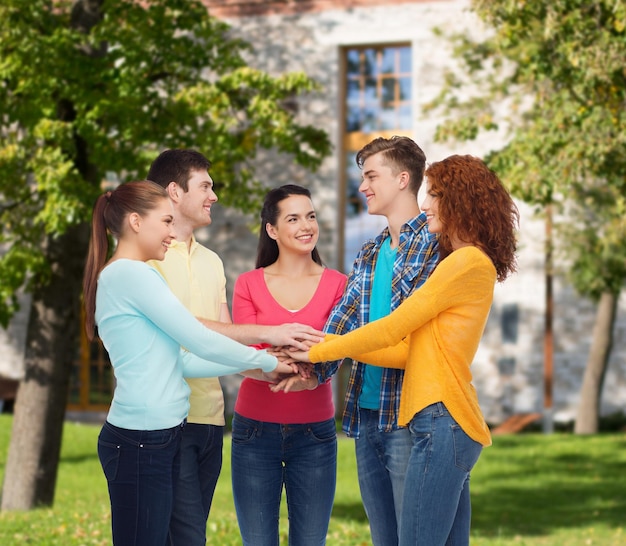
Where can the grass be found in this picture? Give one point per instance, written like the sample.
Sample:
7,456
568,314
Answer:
527,490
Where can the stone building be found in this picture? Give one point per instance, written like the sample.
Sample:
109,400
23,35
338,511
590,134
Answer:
334,42
378,62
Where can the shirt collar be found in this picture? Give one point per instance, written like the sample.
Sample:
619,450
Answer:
414,225
181,246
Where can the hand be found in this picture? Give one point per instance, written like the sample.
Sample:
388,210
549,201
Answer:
309,343
270,377
288,353
299,356
286,365
295,335
304,369
295,383
278,351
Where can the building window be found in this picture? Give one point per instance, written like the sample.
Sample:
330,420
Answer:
377,102
510,322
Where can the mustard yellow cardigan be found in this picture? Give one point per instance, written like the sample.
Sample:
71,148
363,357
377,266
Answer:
433,335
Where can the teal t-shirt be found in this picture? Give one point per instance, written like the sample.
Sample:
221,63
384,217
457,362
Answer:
380,306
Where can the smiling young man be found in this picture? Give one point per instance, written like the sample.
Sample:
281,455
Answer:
196,275
386,271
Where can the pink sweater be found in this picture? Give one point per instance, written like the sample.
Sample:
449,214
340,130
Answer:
253,304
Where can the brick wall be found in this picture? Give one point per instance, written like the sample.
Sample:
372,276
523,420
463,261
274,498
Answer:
246,8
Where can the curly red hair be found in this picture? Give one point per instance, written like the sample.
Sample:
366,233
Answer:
475,207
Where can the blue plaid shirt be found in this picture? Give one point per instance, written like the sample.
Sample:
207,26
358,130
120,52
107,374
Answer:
416,258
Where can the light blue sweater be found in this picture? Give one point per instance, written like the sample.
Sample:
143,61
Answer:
143,326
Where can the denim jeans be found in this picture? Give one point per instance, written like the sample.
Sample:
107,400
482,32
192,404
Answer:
141,468
382,459
200,466
303,458
436,509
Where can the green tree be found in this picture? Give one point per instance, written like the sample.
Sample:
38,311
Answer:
90,87
553,73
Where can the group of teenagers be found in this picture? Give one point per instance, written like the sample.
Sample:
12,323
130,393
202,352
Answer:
409,315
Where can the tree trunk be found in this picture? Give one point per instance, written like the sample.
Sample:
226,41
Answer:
51,349
587,415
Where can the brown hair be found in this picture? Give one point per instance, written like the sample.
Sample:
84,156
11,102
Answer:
267,249
109,213
400,154
475,207
176,165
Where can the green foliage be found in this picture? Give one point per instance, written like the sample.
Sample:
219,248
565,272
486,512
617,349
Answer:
553,74
597,238
527,490
85,93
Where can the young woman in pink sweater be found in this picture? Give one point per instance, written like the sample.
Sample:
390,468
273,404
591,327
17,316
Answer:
434,336
285,439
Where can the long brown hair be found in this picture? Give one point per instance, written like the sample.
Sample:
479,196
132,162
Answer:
109,213
475,207
267,249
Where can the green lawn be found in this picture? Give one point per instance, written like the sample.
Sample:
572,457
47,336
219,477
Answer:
528,490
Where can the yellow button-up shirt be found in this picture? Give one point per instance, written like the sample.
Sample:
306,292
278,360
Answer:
197,278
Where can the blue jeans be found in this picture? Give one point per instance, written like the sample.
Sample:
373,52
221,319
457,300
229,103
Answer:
141,468
437,509
303,458
382,459
200,466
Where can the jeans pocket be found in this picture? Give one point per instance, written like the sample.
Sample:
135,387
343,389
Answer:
244,431
466,450
421,426
109,455
324,431
159,439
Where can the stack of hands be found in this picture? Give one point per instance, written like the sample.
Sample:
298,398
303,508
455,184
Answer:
296,357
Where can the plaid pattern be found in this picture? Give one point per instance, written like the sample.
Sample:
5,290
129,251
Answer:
416,258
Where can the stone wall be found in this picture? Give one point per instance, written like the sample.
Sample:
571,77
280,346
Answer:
245,8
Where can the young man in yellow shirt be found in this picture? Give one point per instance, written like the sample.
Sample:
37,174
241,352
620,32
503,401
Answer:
196,275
